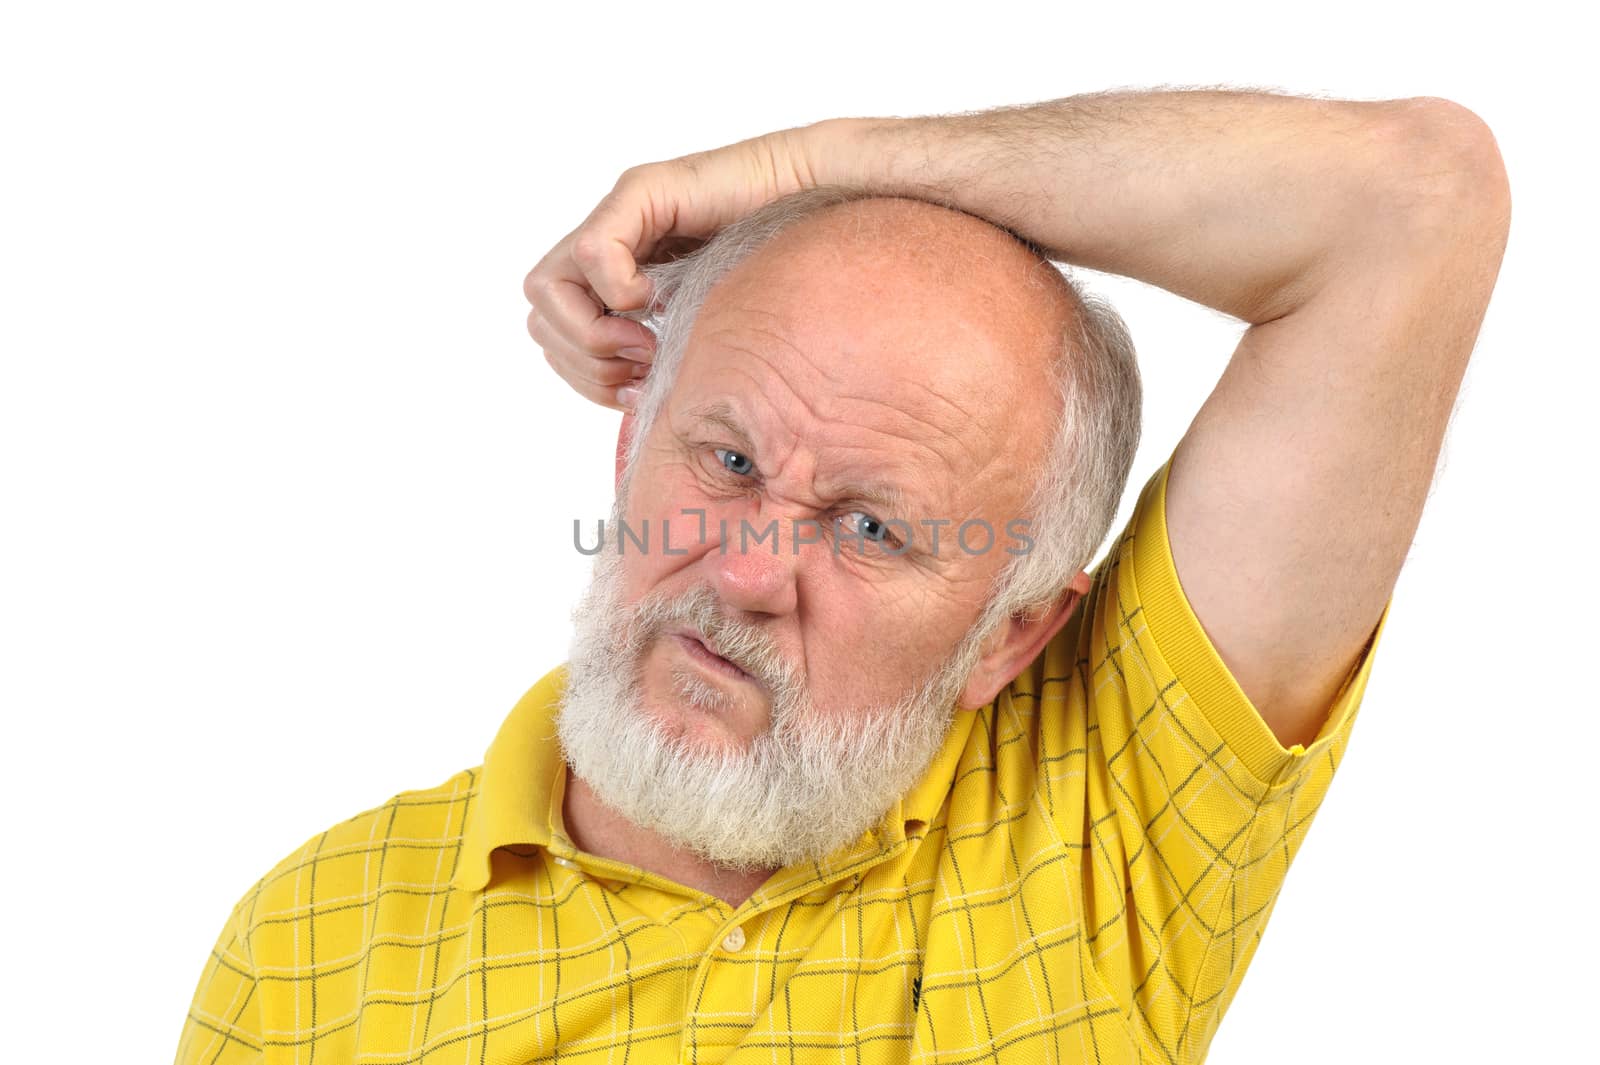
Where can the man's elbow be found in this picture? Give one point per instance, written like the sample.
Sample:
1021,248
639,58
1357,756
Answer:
1450,184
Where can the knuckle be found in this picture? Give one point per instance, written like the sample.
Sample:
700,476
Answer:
588,248
638,174
540,289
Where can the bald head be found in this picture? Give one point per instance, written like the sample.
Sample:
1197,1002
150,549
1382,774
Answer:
954,256
903,259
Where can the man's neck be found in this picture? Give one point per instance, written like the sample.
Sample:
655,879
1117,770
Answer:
597,829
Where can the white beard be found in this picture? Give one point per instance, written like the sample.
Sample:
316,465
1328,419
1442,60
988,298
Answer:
807,786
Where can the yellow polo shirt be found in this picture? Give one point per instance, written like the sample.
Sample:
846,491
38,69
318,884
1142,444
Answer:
1081,875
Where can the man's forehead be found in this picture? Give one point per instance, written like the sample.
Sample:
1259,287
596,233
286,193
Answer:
853,346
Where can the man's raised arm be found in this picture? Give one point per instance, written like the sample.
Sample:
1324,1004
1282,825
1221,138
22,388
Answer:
1359,240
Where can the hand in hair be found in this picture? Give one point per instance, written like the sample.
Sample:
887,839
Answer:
655,212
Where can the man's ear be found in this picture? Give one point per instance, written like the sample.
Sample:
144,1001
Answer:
624,436
1018,641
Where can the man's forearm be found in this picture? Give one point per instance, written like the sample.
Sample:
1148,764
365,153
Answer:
1246,202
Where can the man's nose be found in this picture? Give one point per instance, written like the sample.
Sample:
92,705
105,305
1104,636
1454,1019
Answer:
757,568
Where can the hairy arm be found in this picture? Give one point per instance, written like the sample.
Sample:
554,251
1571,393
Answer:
1359,240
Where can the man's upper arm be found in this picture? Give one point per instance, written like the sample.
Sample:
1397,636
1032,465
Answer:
1294,496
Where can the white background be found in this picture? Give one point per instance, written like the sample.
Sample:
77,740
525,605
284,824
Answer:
288,490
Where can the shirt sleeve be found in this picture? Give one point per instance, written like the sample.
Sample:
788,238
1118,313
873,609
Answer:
1187,808
223,1026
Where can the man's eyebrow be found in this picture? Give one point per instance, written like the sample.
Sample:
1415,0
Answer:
723,417
879,493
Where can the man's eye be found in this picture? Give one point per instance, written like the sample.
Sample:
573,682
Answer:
869,528
734,462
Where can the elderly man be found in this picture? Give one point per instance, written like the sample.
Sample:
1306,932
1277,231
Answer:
852,759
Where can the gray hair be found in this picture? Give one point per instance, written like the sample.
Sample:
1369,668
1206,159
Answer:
1096,378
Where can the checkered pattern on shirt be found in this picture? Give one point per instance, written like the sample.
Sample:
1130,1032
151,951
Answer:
1106,845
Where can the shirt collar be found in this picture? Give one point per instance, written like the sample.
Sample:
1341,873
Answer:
519,770
523,766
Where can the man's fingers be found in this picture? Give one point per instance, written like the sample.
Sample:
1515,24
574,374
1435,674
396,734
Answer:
579,367
608,373
607,262
625,229
656,212
607,338
606,397
571,314
592,351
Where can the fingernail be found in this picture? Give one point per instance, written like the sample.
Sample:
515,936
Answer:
641,369
628,396
636,354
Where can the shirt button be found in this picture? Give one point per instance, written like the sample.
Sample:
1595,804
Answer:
565,864
734,939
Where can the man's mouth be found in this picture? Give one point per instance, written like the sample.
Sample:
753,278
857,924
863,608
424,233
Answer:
697,649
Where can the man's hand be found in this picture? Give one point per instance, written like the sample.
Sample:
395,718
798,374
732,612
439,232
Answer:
655,212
